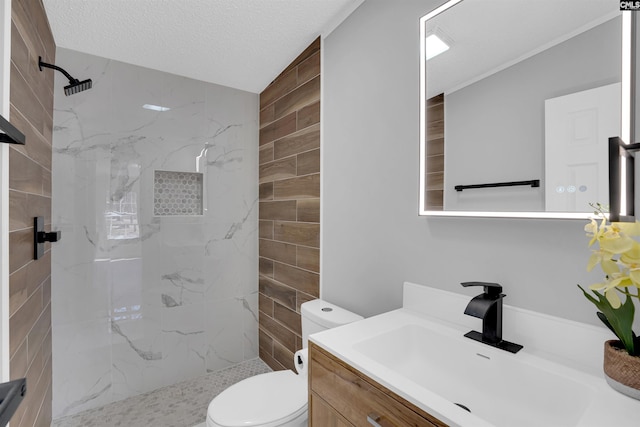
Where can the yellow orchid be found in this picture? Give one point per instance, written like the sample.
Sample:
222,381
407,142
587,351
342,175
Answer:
616,281
594,231
634,275
631,257
618,255
628,228
613,298
616,243
604,258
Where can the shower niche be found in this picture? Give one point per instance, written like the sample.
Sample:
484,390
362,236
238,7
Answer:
178,193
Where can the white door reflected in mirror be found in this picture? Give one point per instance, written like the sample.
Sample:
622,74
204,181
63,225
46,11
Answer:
576,159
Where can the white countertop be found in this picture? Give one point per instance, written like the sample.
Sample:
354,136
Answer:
605,407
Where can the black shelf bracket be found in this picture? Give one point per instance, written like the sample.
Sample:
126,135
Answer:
11,135
532,183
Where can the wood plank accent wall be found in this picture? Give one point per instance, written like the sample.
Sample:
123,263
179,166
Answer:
289,211
435,153
30,196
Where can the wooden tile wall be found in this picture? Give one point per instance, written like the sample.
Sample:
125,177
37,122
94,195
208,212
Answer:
30,196
289,212
435,154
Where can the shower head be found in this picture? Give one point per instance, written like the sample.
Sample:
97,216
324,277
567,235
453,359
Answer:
77,86
74,86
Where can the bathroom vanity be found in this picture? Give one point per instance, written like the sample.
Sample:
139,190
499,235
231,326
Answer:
415,367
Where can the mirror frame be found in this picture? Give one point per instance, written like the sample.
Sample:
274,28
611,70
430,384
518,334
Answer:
628,24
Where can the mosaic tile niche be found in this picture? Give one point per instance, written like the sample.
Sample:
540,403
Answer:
177,193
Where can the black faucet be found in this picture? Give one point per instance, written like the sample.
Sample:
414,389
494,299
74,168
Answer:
488,307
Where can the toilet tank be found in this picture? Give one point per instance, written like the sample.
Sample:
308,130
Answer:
319,315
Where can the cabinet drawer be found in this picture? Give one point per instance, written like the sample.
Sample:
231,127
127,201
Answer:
321,414
357,397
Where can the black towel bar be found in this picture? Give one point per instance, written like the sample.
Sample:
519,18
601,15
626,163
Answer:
533,183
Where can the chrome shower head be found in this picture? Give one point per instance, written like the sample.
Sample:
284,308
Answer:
74,86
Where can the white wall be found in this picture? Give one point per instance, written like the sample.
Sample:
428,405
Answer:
372,237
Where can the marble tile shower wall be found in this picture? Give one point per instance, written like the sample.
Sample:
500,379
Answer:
142,301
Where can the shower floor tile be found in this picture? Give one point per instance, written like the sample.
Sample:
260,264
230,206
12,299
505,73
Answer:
179,405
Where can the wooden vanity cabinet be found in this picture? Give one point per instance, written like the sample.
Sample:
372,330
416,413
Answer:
341,396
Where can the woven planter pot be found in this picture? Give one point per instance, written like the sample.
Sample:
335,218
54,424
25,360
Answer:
621,370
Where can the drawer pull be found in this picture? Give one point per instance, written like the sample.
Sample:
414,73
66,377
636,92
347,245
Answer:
373,419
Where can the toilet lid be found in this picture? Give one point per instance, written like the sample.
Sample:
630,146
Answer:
261,400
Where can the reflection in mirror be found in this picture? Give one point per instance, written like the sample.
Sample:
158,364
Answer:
517,107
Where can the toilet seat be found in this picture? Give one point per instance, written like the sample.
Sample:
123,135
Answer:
265,400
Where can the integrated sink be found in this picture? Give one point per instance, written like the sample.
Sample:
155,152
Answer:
499,387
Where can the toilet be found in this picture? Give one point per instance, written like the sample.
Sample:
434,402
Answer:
276,398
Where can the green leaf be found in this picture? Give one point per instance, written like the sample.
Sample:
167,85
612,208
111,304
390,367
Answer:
604,319
619,320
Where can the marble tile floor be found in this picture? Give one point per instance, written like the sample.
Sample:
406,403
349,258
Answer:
179,405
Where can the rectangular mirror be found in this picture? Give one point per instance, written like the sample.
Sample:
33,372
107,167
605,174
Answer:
517,107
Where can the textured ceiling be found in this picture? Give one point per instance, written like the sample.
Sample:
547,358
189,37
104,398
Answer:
242,44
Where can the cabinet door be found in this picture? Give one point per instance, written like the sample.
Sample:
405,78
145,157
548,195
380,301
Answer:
323,415
358,398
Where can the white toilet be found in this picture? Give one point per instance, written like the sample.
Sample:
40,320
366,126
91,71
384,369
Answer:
277,398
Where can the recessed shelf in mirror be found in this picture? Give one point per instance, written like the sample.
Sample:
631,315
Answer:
513,100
